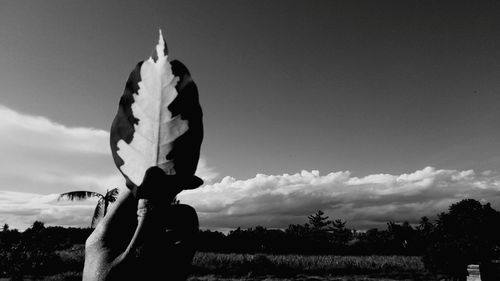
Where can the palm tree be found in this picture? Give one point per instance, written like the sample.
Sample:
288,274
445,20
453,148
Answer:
102,204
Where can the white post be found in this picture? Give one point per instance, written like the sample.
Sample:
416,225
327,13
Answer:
473,270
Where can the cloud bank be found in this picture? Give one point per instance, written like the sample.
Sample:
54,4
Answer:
40,158
365,202
21,209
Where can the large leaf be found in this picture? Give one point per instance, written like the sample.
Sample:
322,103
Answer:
159,121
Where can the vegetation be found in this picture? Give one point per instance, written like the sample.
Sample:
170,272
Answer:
279,266
319,236
102,205
36,250
292,265
468,233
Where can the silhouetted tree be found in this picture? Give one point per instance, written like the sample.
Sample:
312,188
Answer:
340,235
402,238
298,238
102,203
424,231
425,227
318,221
468,233
319,235
38,226
373,241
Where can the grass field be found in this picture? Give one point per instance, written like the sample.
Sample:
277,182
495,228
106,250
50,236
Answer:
242,267
76,276
297,278
288,266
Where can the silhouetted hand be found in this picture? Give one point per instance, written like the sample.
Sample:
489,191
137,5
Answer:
144,237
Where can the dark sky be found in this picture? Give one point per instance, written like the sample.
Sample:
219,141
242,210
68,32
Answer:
364,86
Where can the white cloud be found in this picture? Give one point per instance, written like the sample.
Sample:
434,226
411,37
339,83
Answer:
21,209
278,200
41,157
206,172
35,131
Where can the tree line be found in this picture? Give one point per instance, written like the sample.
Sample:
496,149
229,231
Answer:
469,232
320,236
35,250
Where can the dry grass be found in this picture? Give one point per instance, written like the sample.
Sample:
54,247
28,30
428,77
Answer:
243,267
240,265
296,278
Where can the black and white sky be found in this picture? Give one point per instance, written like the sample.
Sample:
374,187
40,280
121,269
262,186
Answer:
369,110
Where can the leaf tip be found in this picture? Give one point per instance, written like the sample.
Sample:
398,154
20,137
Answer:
161,49
160,36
